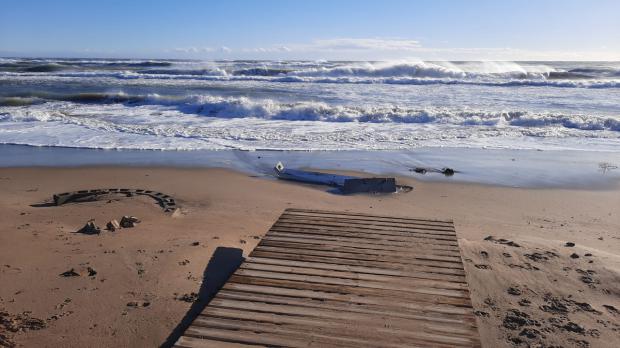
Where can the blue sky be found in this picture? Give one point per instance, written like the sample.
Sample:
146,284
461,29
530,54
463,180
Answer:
313,29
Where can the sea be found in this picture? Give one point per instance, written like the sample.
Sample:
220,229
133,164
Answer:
388,110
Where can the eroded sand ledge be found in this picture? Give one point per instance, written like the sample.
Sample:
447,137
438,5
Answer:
159,261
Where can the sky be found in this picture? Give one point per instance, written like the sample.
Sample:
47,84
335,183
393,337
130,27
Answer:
313,29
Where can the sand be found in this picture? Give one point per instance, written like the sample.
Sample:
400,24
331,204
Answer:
525,286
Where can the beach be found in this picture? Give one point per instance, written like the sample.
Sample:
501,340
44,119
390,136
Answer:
352,174
133,287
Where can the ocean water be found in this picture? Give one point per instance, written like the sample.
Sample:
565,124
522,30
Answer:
309,105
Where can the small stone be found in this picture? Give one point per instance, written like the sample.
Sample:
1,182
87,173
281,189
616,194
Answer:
587,279
611,309
524,302
484,254
184,262
569,244
136,304
91,272
515,319
574,256
529,333
113,225
573,327
129,221
90,228
514,291
587,254
516,341
70,273
191,297
195,243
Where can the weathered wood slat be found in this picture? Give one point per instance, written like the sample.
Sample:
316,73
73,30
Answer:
412,249
342,279
320,315
385,311
317,264
367,222
369,299
416,288
281,242
367,216
302,326
405,281
413,233
388,260
364,241
400,237
403,296
366,227
203,342
292,255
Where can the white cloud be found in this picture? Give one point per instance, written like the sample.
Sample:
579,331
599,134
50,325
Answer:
388,49
362,44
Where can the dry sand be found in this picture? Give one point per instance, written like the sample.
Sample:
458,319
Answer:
530,291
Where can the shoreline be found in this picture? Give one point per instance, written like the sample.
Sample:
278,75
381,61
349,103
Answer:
502,167
158,262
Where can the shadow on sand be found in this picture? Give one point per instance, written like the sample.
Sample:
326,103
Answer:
224,262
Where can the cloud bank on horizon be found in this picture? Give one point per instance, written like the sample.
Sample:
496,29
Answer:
384,49
321,29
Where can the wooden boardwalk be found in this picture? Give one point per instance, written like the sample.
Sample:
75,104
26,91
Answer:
340,279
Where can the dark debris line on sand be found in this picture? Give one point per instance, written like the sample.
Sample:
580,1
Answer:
13,323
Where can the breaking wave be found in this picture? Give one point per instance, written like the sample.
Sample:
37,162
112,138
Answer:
267,109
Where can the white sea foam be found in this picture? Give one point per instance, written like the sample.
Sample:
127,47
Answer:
221,75
198,122
317,105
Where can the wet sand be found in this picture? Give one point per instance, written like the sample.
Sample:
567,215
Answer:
525,285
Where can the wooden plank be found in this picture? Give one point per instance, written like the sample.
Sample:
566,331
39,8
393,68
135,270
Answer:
405,281
353,268
319,315
402,249
402,296
372,299
384,311
411,232
369,227
341,279
400,237
364,330
385,259
268,339
366,222
360,240
416,286
389,266
203,342
346,213
280,242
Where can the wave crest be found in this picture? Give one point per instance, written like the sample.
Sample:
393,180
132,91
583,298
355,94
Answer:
267,109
